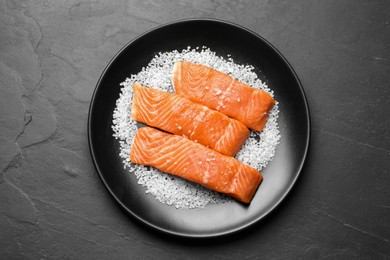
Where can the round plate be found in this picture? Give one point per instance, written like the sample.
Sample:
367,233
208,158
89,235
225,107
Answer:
245,47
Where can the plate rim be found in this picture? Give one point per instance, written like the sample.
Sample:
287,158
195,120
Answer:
215,234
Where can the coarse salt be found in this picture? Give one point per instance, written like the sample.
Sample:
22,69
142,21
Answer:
257,152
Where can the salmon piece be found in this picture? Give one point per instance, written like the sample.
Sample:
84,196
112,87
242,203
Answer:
178,115
182,157
221,92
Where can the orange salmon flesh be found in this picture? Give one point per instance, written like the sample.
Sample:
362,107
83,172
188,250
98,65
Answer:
182,157
178,115
221,92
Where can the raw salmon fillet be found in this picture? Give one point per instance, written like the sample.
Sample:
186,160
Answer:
178,115
219,91
180,156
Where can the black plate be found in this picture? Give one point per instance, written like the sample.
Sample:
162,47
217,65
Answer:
246,48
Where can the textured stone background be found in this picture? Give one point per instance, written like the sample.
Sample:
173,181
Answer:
52,203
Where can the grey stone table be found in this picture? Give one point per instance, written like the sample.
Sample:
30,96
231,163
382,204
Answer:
52,203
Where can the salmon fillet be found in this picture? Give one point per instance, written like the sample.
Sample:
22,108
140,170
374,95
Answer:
178,115
179,156
219,91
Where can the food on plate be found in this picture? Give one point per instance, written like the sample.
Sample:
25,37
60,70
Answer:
178,115
182,157
258,151
219,91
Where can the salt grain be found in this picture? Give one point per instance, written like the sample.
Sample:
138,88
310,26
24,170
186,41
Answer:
257,152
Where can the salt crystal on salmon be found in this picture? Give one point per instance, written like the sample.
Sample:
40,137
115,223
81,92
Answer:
182,157
219,91
178,115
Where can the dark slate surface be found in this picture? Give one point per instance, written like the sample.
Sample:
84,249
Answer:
52,203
